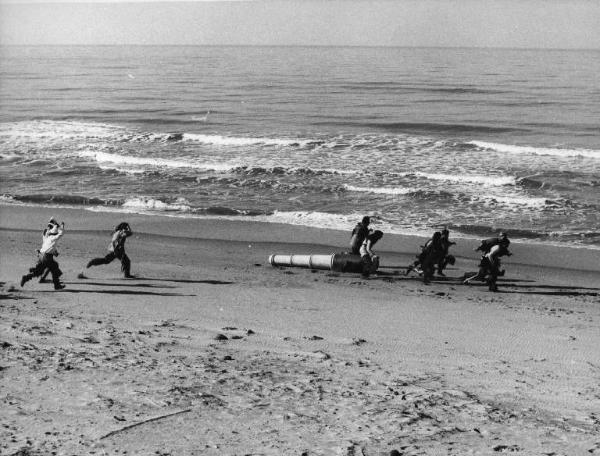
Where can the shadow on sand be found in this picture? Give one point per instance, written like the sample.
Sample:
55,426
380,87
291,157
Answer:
208,281
517,286
115,292
550,293
541,289
109,284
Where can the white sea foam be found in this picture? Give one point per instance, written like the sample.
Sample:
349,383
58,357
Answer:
54,129
343,222
220,140
520,150
151,204
57,130
312,219
516,202
491,181
7,199
122,169
381,190
105,157
65,130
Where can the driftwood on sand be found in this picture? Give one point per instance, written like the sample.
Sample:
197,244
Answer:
139,423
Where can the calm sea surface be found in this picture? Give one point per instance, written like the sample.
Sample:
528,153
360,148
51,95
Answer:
476,140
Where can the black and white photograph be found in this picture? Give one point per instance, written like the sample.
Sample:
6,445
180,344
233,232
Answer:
299,227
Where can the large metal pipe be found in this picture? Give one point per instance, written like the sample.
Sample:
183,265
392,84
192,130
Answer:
340,262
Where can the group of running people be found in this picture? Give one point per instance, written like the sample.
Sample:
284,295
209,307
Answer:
47,263
433,256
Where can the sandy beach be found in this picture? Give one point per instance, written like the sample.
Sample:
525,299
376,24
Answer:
212,351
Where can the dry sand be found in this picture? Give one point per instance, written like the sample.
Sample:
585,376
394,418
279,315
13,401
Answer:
211,351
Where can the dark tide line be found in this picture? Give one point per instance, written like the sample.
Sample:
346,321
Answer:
396,87
423,127
83,201
592,237
65,199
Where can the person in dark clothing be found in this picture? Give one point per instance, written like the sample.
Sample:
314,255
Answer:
489,266
445,259
47,252
370,261
431,254
47,272
359,233
116,249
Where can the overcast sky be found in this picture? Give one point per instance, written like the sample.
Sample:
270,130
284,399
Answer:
479,23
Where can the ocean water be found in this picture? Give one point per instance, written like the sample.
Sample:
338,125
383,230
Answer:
475,140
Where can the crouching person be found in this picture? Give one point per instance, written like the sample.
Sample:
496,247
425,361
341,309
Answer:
116,249
47,252
370,261
489,267
431,254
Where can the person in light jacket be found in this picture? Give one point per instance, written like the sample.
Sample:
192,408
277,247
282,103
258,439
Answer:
47,252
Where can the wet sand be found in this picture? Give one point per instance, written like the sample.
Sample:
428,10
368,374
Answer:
211,351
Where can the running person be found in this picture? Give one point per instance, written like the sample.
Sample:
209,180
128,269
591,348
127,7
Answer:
116,249
47,252
489,265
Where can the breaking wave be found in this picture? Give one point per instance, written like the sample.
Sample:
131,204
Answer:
151,204
281,170
105,157
522,150
382,190
73,130
219,140
492,181
183,206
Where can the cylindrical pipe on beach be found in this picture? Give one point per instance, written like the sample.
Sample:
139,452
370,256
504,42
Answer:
303,261
340,262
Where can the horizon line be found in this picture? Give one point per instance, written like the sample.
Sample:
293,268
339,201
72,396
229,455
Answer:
367,46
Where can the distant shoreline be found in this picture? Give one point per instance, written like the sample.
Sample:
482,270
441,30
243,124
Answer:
324,240
330,46
126,212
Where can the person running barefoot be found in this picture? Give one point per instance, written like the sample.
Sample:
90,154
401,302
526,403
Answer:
47,252
116,249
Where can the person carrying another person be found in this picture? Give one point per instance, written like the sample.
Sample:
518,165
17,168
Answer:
116,249
47,252
370,261
490,264
359,233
